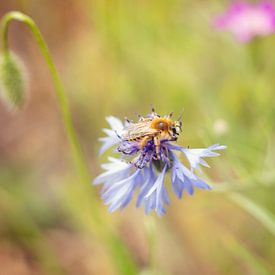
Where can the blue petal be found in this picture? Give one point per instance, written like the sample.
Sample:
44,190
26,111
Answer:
182,178
157,195
117,171
115,123
108,142
178,187
195,156
201,184
112,135
188,185
120,193
149,178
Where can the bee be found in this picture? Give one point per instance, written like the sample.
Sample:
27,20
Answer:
153,128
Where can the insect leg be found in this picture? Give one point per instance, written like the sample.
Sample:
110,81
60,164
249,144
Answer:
144,141
167,153
157,144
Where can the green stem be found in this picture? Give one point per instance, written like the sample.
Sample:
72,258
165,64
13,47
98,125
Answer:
77,154
123,260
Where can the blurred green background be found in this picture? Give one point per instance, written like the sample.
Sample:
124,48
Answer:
116,58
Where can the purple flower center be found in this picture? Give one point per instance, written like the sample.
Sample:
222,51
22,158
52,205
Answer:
147,154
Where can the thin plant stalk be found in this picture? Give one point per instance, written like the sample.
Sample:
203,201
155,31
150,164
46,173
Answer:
77,154
107,235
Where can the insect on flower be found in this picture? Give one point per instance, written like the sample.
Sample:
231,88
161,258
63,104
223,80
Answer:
153,128
147,155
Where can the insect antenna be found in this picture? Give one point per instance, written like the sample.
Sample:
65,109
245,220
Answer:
139,116
129,121
154,111
180,118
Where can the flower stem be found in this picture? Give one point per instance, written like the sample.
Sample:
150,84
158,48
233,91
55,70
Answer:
104,232
77,154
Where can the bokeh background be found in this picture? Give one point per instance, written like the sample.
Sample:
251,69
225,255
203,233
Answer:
118,57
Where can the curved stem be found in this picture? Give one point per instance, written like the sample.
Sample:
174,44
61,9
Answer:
124,262
77,154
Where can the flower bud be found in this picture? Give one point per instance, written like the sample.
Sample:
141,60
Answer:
12,81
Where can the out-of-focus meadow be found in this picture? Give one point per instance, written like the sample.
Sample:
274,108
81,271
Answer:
118,58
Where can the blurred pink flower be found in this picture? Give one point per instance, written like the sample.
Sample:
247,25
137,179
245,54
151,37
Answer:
245,20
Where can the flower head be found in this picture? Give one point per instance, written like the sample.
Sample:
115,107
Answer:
246,21
147,155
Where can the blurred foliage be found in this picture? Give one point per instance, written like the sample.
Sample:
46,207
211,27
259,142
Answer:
118,57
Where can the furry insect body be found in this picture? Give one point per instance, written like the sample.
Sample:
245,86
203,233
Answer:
153,127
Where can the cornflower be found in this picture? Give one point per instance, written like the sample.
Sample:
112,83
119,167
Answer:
147,156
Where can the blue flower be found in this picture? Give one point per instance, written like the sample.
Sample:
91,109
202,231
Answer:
112,134
144,167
